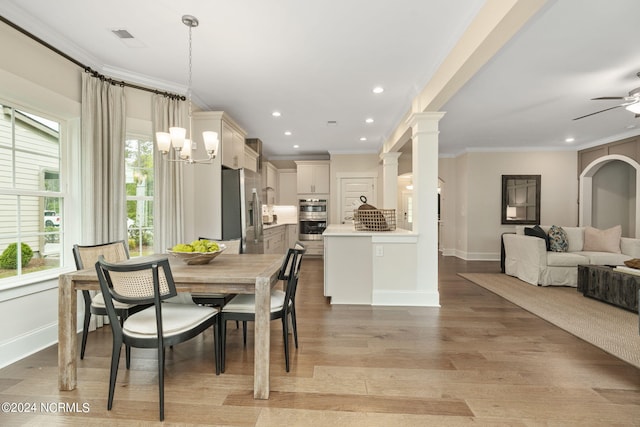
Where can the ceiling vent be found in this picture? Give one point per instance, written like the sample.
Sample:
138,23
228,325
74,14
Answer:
332,123
127,38
122,34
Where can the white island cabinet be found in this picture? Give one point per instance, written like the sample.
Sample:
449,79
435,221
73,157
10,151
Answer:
373,268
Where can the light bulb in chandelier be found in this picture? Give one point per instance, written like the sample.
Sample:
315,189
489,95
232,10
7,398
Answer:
185,153
177,136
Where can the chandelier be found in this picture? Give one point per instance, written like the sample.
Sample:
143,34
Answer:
177,136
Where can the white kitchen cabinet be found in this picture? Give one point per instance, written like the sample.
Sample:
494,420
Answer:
313,248
377,267
292,235
313,177
274,239
250,159
279,238
232,147
203,181
270,182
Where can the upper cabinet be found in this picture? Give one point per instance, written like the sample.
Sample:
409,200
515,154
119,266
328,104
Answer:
204,180
232,146
231,135
313,177
250,159
270,182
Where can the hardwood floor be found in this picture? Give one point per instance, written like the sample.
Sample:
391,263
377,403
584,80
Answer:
476,360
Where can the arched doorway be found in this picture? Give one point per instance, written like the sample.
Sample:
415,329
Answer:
609,194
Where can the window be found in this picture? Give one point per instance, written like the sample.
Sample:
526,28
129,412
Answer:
139,182
31,204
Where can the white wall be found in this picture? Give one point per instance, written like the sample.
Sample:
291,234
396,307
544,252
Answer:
451,197
614,193
39,80
33,78
474,181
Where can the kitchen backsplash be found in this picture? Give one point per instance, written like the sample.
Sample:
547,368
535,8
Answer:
283,214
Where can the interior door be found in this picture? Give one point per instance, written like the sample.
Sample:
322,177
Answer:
350,191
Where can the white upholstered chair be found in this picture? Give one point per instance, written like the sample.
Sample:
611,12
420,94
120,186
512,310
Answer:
158,326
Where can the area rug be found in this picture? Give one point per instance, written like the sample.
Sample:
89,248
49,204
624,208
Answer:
610,328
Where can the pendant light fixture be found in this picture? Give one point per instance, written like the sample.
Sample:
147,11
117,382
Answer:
177,136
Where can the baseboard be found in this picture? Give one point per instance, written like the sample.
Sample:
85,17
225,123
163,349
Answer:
477,256
406,298
25,345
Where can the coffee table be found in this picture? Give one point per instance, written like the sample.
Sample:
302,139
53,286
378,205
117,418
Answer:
606,284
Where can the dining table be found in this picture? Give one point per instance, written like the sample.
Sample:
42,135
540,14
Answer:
227,273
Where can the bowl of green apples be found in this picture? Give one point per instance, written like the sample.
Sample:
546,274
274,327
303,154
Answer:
197,252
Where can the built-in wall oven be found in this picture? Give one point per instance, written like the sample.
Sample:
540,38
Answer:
312,218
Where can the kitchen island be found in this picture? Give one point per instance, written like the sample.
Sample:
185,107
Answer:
369,267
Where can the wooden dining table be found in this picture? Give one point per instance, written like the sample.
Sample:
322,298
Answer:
227,273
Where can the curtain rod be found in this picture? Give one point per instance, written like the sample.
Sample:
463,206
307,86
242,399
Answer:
86,68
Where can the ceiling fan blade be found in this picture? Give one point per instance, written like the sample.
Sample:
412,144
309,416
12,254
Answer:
608,97
601,111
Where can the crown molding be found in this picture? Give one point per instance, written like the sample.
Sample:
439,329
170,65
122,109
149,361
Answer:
628,134
144,80
37,28
44,32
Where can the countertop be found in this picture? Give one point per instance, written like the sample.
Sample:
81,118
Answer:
268,226
349,230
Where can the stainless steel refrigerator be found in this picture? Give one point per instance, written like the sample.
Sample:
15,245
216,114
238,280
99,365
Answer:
242,209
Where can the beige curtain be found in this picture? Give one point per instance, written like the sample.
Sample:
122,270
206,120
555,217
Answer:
103,169
167,193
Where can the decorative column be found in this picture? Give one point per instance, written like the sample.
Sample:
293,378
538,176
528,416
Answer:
390,180
425,203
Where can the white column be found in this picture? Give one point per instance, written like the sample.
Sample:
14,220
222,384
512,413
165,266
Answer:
425,202
390,180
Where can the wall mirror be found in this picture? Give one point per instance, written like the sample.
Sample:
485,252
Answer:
520,199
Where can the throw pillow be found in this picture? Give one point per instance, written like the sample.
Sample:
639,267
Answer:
602,240
537,231
558,241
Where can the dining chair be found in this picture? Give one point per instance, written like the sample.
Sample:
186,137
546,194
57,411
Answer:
158,326
86,256
218,299
243,307
283,276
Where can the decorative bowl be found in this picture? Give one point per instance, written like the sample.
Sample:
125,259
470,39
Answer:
197,258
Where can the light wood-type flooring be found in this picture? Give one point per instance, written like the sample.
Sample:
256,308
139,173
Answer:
477,360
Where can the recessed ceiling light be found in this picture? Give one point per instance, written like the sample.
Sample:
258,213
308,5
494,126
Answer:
569,140
378,89
288,133
296,146
276,114
369,120
631,126
364,138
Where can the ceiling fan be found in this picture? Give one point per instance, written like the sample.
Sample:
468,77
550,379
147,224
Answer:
630,102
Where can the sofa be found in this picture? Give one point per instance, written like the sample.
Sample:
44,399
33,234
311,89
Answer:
531,256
